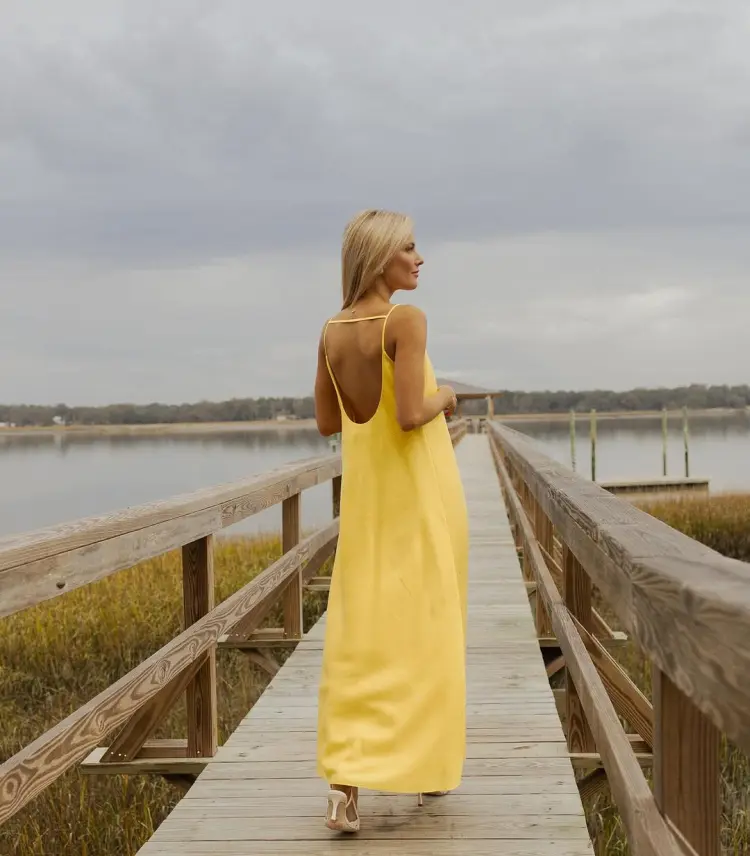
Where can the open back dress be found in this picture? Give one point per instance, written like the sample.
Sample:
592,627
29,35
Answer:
392,698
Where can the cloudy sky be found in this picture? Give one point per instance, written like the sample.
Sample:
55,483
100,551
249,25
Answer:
175,178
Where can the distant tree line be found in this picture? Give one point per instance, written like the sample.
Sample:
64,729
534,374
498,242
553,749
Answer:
235,410
695,397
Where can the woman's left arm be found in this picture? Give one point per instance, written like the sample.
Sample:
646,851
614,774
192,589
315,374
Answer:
327,410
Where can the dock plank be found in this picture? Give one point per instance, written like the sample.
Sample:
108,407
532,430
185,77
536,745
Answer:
261,794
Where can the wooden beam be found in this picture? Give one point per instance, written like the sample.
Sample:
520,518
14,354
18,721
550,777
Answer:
46,563
290,535
164,766
630,703
686,767
200,695
648,833
544,534
130,743
593,784
40,763
577,588
686,606
336,496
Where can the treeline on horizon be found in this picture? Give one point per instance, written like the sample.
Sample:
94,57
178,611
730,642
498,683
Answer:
694,397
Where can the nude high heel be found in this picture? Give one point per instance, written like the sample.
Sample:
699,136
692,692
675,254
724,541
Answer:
420,800
337,815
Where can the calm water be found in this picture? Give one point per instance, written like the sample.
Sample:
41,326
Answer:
47,479
632,448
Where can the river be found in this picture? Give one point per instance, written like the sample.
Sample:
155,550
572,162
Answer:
48,478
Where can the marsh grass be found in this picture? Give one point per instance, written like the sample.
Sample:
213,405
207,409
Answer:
55,657
721,522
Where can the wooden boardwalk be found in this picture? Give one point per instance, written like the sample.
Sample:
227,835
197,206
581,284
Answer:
261,795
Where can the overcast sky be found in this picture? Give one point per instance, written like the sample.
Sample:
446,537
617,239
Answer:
175,178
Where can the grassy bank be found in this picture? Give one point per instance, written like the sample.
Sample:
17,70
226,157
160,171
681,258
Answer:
55,657
722,523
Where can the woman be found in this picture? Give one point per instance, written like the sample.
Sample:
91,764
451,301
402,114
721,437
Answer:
392,694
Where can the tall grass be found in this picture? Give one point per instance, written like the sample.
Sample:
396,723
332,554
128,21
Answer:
721,522
57,656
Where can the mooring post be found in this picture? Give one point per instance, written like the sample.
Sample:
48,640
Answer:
664,429
686,440
572,439
593,444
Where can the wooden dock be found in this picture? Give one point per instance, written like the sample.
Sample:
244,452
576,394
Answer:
261,793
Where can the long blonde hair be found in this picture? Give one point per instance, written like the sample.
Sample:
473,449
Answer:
371,240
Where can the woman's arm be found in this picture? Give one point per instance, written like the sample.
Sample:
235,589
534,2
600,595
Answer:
413,408
327,410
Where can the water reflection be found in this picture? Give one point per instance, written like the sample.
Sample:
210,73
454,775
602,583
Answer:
62,442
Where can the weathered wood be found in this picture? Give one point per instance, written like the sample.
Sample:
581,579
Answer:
686,606
518,785
29,771
629,702
593,784
336,496
545,535
131,741
686,767
577,592
647,831
164,766
46,563
290,535
200,695
247,629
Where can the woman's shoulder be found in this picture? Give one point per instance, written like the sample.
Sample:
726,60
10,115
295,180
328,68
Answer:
408,315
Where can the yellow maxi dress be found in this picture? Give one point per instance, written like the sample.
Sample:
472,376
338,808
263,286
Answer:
392,695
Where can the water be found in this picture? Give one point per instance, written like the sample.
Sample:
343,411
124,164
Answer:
631,448
47,479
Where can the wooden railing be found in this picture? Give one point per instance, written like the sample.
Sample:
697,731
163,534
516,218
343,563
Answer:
685,606
37,566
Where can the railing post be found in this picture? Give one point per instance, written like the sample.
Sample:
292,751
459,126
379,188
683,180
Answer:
577,596
290,537
336,495
544,535
686,766
198,600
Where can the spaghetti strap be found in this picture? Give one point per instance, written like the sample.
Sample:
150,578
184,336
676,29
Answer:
385,322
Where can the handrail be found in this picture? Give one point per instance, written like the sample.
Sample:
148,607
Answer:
686,607
87,550
45,563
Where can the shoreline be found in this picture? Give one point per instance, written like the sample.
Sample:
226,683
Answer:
585,416
166,428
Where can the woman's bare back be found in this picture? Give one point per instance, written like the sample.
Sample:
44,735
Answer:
354,348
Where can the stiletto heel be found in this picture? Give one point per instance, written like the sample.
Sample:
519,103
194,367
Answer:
420,796
337,815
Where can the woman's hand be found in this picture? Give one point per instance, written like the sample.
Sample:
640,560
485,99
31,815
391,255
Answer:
449,400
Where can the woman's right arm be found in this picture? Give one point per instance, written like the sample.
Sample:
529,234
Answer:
413,408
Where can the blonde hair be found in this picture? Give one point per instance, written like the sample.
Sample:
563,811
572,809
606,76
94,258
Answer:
371,240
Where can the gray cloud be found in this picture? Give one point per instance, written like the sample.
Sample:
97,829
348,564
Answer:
174,179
